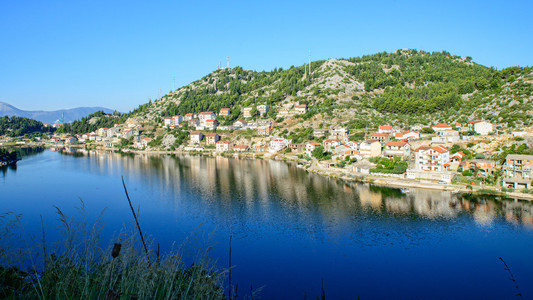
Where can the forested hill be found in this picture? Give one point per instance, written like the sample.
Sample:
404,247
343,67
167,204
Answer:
403,86
19,126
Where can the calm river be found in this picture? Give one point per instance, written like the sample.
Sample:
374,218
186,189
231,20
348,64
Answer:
290,229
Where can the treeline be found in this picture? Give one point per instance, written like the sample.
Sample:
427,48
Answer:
102,120
417,82
19,126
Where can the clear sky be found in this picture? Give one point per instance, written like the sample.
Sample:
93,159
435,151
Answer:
118,54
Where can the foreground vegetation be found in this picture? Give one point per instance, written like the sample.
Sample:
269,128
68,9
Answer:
79,268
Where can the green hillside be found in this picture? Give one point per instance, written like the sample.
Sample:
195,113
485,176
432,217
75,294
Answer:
400,88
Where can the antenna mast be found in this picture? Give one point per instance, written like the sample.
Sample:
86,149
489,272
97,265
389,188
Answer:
309,62
227,60
173,83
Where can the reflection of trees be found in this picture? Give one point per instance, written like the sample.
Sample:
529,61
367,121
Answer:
258,184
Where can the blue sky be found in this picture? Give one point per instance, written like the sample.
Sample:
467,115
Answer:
118,54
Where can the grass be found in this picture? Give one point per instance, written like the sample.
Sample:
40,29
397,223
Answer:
79,268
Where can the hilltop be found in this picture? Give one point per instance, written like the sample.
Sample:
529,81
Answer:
401,88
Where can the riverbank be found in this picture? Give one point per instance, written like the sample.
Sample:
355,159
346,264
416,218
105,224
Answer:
313,166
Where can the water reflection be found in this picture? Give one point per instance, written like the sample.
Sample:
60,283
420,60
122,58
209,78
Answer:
257,184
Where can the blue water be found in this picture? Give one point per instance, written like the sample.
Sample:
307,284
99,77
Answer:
290,229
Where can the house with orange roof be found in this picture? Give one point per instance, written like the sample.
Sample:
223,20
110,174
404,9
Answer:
224,146
441,127
309,147
224,112
394,148
300,109
385,129
481,127
211,138
211,124
380,137
405,135
432,158
241,148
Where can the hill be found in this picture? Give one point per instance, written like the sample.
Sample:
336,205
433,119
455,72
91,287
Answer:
400,88
49,117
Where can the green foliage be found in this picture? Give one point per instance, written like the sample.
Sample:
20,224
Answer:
19,126
102,120
7,155
181,136
359,136
467,173
300,135
513,149
319,153
428,130
390,166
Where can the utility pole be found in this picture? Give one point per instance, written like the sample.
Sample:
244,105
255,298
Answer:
309,62
173,83
227,60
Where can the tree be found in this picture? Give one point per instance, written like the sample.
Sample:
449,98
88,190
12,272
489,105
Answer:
318,152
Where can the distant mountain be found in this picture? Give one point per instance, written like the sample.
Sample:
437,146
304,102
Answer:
49,117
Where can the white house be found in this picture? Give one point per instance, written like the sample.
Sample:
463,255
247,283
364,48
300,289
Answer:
206,115
435,158
263,109
224,146
167,121
387,129
309,147
247,111
446,136
300,109
370,148
240,124
224,112
196,137
441,127
176,120
481,127
330,144
279,144
393,149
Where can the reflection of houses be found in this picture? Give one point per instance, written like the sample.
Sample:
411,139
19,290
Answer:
481,127
396,149
518,171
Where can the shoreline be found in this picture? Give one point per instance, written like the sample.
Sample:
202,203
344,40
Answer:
335,173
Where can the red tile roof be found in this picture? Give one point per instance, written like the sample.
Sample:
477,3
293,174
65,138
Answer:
395,144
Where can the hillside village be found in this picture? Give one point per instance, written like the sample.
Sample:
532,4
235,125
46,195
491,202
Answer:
455,122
